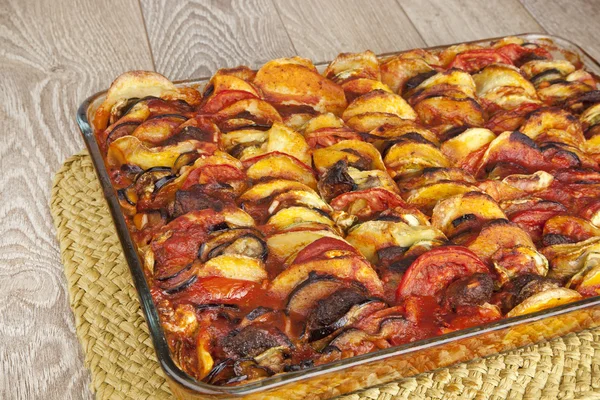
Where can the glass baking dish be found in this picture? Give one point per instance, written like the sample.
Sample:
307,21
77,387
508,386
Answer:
369,369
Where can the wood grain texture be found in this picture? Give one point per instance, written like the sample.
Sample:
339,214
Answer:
577,20
321,29
192,39
52,56
451,21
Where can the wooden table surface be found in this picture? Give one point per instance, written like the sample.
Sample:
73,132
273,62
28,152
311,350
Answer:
55,53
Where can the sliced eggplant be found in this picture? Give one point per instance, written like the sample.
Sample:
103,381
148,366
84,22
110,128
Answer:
253,340
351,342
342,309
305,296
471,290
246,242
336,181
327,315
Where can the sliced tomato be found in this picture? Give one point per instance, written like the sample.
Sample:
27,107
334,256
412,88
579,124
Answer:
436,269
219,173
469,316
186,234
533,219
471,163
519,55
223,99
474,60
325,247
377,200
510,120
221,291
327,137
590,210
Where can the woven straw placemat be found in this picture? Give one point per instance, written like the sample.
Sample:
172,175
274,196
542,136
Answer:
120,356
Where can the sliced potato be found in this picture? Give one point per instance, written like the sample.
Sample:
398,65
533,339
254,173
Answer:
230,140
543,300
280,166
234,266
138,84
288,141
283,245
327,120
459,147
347,150
396,71
296,216
254,110
536,67
352,66
264,190
396,131
295,81
425,198
567,259
543,120
409,158
499,234
371,236
372,179
299,197
501,75
460,80
451,209
352,268
379,101
130,150
535,182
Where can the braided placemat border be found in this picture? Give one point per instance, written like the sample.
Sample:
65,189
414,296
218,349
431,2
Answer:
122,362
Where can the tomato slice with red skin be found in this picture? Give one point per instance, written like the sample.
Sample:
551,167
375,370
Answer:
181,247
533,219
224,99
510,120
327,137
471,163
219,173
378,200
474,60
219,290
320,247
434,270
469,316
519,55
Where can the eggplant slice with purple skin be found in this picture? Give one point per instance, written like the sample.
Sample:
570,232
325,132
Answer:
254,340
241,241
472,290
341,309
305,296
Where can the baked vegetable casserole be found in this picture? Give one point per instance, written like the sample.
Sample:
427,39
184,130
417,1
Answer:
291,217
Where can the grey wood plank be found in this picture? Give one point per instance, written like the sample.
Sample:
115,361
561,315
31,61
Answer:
52,56
577,20
451,21
322,29
192,39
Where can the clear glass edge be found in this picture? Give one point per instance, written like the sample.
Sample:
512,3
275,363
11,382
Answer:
150,312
